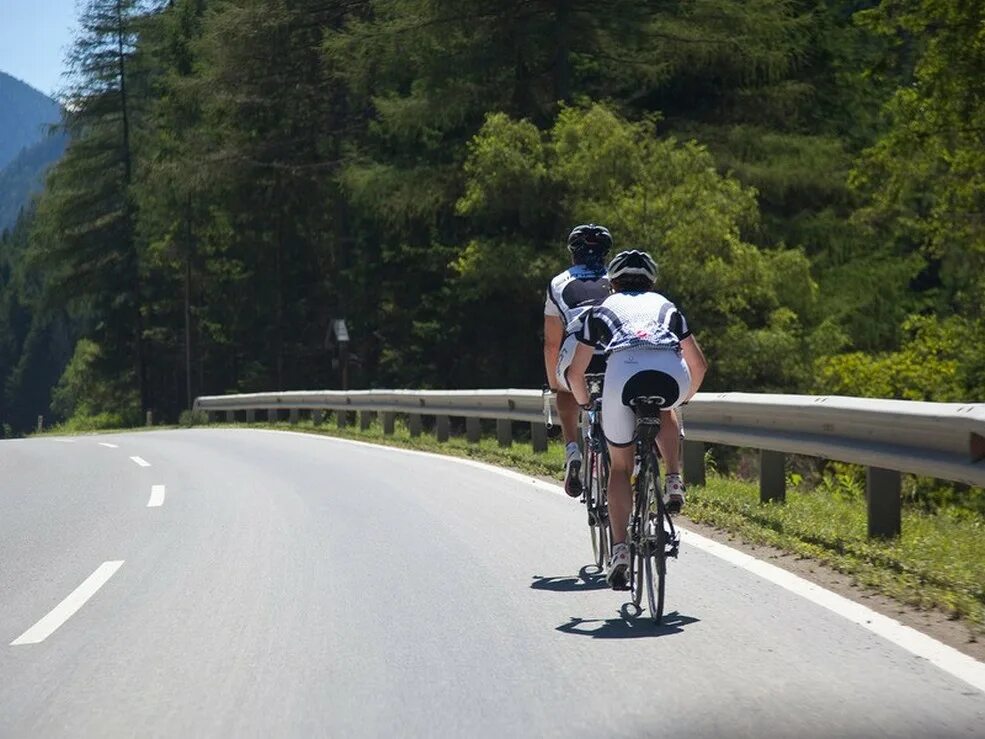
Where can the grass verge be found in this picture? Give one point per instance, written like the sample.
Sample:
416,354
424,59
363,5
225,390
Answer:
937,562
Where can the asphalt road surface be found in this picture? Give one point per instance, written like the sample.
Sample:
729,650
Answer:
246,583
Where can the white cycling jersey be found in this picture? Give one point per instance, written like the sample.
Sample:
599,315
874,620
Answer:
570,296
573,292
631,320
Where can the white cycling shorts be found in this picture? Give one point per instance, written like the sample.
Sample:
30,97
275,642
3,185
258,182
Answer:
661,373
564,357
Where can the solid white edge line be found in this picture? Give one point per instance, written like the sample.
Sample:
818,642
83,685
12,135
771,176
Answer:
64,610
65,441
948,659
156,496
141,461
107,444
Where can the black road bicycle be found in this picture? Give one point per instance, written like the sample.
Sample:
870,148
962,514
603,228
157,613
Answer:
652,536
595,473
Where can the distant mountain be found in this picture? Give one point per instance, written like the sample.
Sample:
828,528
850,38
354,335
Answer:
25,115
24,176
27,148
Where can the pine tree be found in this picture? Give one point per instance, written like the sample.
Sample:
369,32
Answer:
174,199
86,220
277,118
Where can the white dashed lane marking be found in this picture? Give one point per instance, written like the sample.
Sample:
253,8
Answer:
141,461
67,608
111,446
156,496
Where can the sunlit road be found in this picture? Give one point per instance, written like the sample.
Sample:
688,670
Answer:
233,582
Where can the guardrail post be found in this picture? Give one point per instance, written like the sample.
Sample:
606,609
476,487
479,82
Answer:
442,428
504,431
149,419
538,436
292,415
365,420
414,423
251,415
694,462
388,421
230,416
473,430
882,490
341,418
318,416
772,476
40,424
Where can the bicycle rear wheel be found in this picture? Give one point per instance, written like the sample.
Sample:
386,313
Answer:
602,507
592,492
654,544
637,543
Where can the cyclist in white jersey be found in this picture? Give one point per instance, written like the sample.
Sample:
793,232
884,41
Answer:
570,294
650,352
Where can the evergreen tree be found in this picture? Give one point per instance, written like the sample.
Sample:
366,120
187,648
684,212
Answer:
175,215
85,236
276,118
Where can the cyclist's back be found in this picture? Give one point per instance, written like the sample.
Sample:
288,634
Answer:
651,354
572,292
570,295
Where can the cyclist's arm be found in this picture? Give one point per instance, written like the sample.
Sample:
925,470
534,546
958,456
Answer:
553,334
696,363
576,373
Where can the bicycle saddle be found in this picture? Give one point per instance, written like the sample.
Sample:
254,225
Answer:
648,406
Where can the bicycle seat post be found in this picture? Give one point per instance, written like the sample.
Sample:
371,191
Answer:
647,410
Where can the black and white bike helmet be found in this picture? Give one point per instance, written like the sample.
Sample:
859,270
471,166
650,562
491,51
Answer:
589,244
633,263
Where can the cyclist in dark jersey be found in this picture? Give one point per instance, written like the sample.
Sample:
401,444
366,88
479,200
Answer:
570,294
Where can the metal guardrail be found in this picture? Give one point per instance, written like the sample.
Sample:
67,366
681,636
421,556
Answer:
941,440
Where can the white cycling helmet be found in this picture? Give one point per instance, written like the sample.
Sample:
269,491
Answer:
632,263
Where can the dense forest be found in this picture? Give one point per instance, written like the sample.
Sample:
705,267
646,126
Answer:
808,174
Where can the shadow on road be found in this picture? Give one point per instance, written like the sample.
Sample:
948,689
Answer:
626,627
586,579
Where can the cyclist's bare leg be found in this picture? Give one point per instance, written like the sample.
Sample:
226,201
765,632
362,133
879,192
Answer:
567,409
669,441
620,498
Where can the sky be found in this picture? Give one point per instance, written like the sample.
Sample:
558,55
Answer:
34,38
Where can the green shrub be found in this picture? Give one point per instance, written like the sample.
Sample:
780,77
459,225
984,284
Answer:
98,422
88,389
189,418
